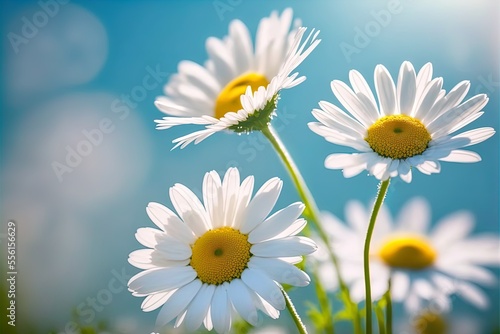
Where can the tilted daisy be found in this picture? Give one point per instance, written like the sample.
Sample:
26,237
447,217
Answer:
412,126
425,266
219,257
219,95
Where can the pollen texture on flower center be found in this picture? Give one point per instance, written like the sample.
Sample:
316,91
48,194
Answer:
398,137
409,252
220,255
229,98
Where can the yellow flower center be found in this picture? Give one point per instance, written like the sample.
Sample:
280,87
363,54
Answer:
409,252
430,323
398,136
229,98
220,255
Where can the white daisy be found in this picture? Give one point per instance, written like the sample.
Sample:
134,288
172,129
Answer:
411,127
432,321
214,95
219,257
425,266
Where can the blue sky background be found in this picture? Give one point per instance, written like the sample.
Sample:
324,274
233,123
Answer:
76,231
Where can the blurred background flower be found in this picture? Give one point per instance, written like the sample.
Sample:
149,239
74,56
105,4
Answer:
81,158
425,266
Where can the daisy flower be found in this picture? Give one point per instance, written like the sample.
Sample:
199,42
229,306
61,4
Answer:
429,321
424,266
220,94
413,125
224,256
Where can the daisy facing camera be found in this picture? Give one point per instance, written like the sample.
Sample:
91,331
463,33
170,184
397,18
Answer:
412,126
224,256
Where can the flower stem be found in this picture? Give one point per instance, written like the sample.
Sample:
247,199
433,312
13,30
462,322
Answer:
388,311
379,312
366,254
324,303
311,212
295,316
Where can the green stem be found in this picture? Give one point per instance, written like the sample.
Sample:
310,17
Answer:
379,312
366,254
388,312
324,303
295,316
311,212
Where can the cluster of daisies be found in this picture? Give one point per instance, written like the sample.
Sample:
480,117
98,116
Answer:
228,255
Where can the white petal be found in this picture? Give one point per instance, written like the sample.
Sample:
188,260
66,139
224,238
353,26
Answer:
428,167
177,303
413,302
351,102
353,164
244,196
380,167
462,156
148,236
333,117
243,50
473,294
451,228
242,301
152,302
222,62
151,258
280,271
423,288
264,286
444,284
468,272
220,310
415,216
213,198
289,246
406,88
230,186
452,99
198,308
386,91
349,172
173,249
276,223
199,76
357,216
188,115
405,171
428,98
400,286
360,85
424,76
189,208
260,206
454,118
161,279
265,307
195,137
476,136
164,218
